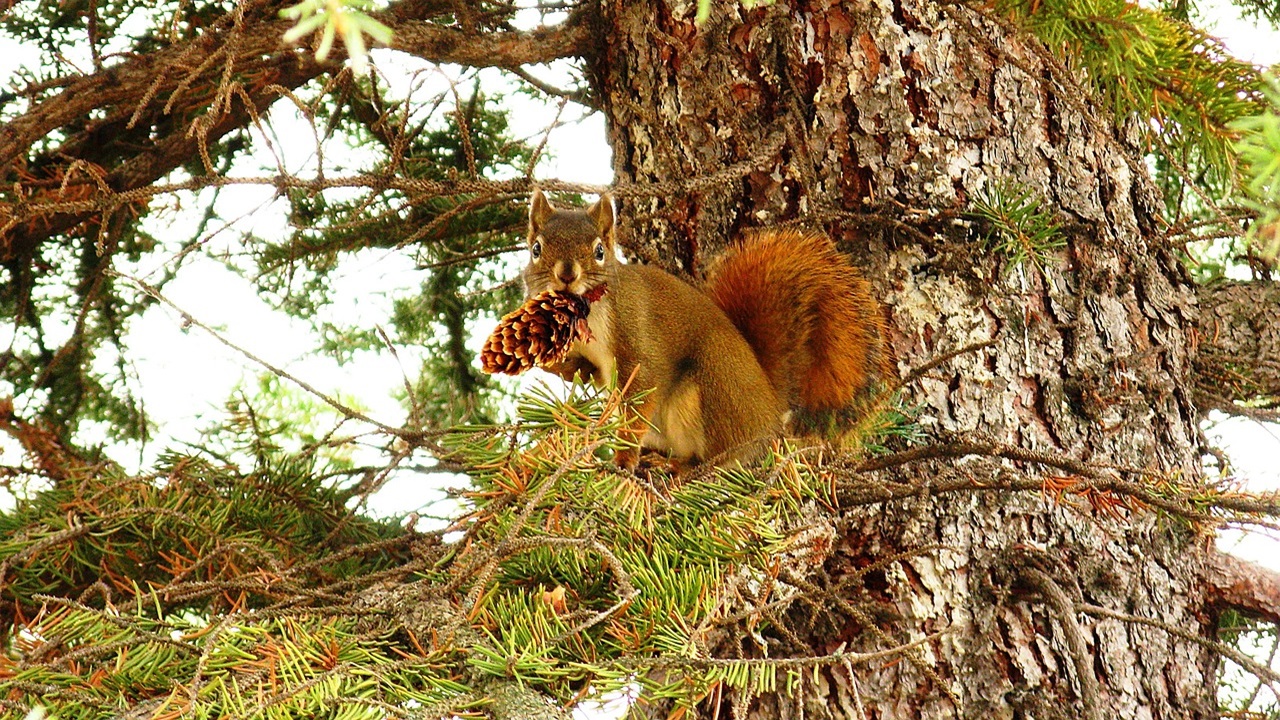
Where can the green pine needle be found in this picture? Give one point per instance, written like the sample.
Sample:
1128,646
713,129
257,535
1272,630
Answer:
704,9
1021,228
1180,82
234,593
334,18
1259,150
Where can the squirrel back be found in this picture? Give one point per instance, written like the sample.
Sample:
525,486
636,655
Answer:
808,315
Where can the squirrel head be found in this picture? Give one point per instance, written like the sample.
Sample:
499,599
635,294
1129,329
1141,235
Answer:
569,249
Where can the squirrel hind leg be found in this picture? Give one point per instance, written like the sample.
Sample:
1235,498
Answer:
671,424
679,429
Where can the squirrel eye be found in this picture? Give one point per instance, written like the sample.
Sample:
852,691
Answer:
599,252
536,249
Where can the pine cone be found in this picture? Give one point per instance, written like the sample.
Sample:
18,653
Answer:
540,332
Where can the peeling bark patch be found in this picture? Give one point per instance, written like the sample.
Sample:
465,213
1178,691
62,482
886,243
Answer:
871,53
1052,128
917,102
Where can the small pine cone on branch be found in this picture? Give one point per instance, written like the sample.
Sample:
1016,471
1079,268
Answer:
539,332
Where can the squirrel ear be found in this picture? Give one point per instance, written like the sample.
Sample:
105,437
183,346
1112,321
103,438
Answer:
602,215
539,210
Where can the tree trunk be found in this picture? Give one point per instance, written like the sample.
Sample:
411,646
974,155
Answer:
1239,336
881,121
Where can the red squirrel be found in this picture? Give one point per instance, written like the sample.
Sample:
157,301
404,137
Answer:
782,321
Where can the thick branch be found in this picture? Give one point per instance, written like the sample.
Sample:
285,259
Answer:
129,81
1239,346
1243,586
509,49
1102,485
126,84
160,156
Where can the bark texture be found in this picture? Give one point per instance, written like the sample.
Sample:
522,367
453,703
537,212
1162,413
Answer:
880,121
1239,343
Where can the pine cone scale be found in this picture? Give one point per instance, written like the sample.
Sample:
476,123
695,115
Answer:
539,332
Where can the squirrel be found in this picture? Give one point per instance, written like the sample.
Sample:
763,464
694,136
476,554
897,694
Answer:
782,321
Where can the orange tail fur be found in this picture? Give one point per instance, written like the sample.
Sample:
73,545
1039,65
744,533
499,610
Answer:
807,314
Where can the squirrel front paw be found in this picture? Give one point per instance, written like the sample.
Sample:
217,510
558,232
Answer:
571,368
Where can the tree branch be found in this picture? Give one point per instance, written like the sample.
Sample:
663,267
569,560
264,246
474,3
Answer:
1251,589
146,102
1064,609
507,49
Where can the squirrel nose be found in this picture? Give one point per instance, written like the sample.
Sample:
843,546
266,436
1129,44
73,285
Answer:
566,273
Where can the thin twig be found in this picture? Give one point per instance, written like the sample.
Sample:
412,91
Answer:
187,318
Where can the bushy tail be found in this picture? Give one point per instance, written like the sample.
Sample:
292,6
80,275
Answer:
806,312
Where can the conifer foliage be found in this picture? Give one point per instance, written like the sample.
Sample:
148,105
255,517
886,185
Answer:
210,590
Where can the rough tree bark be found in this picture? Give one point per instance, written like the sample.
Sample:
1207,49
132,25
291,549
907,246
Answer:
1239,347
901,110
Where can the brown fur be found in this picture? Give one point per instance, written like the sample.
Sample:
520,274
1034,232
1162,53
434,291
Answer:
807,314
799,328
